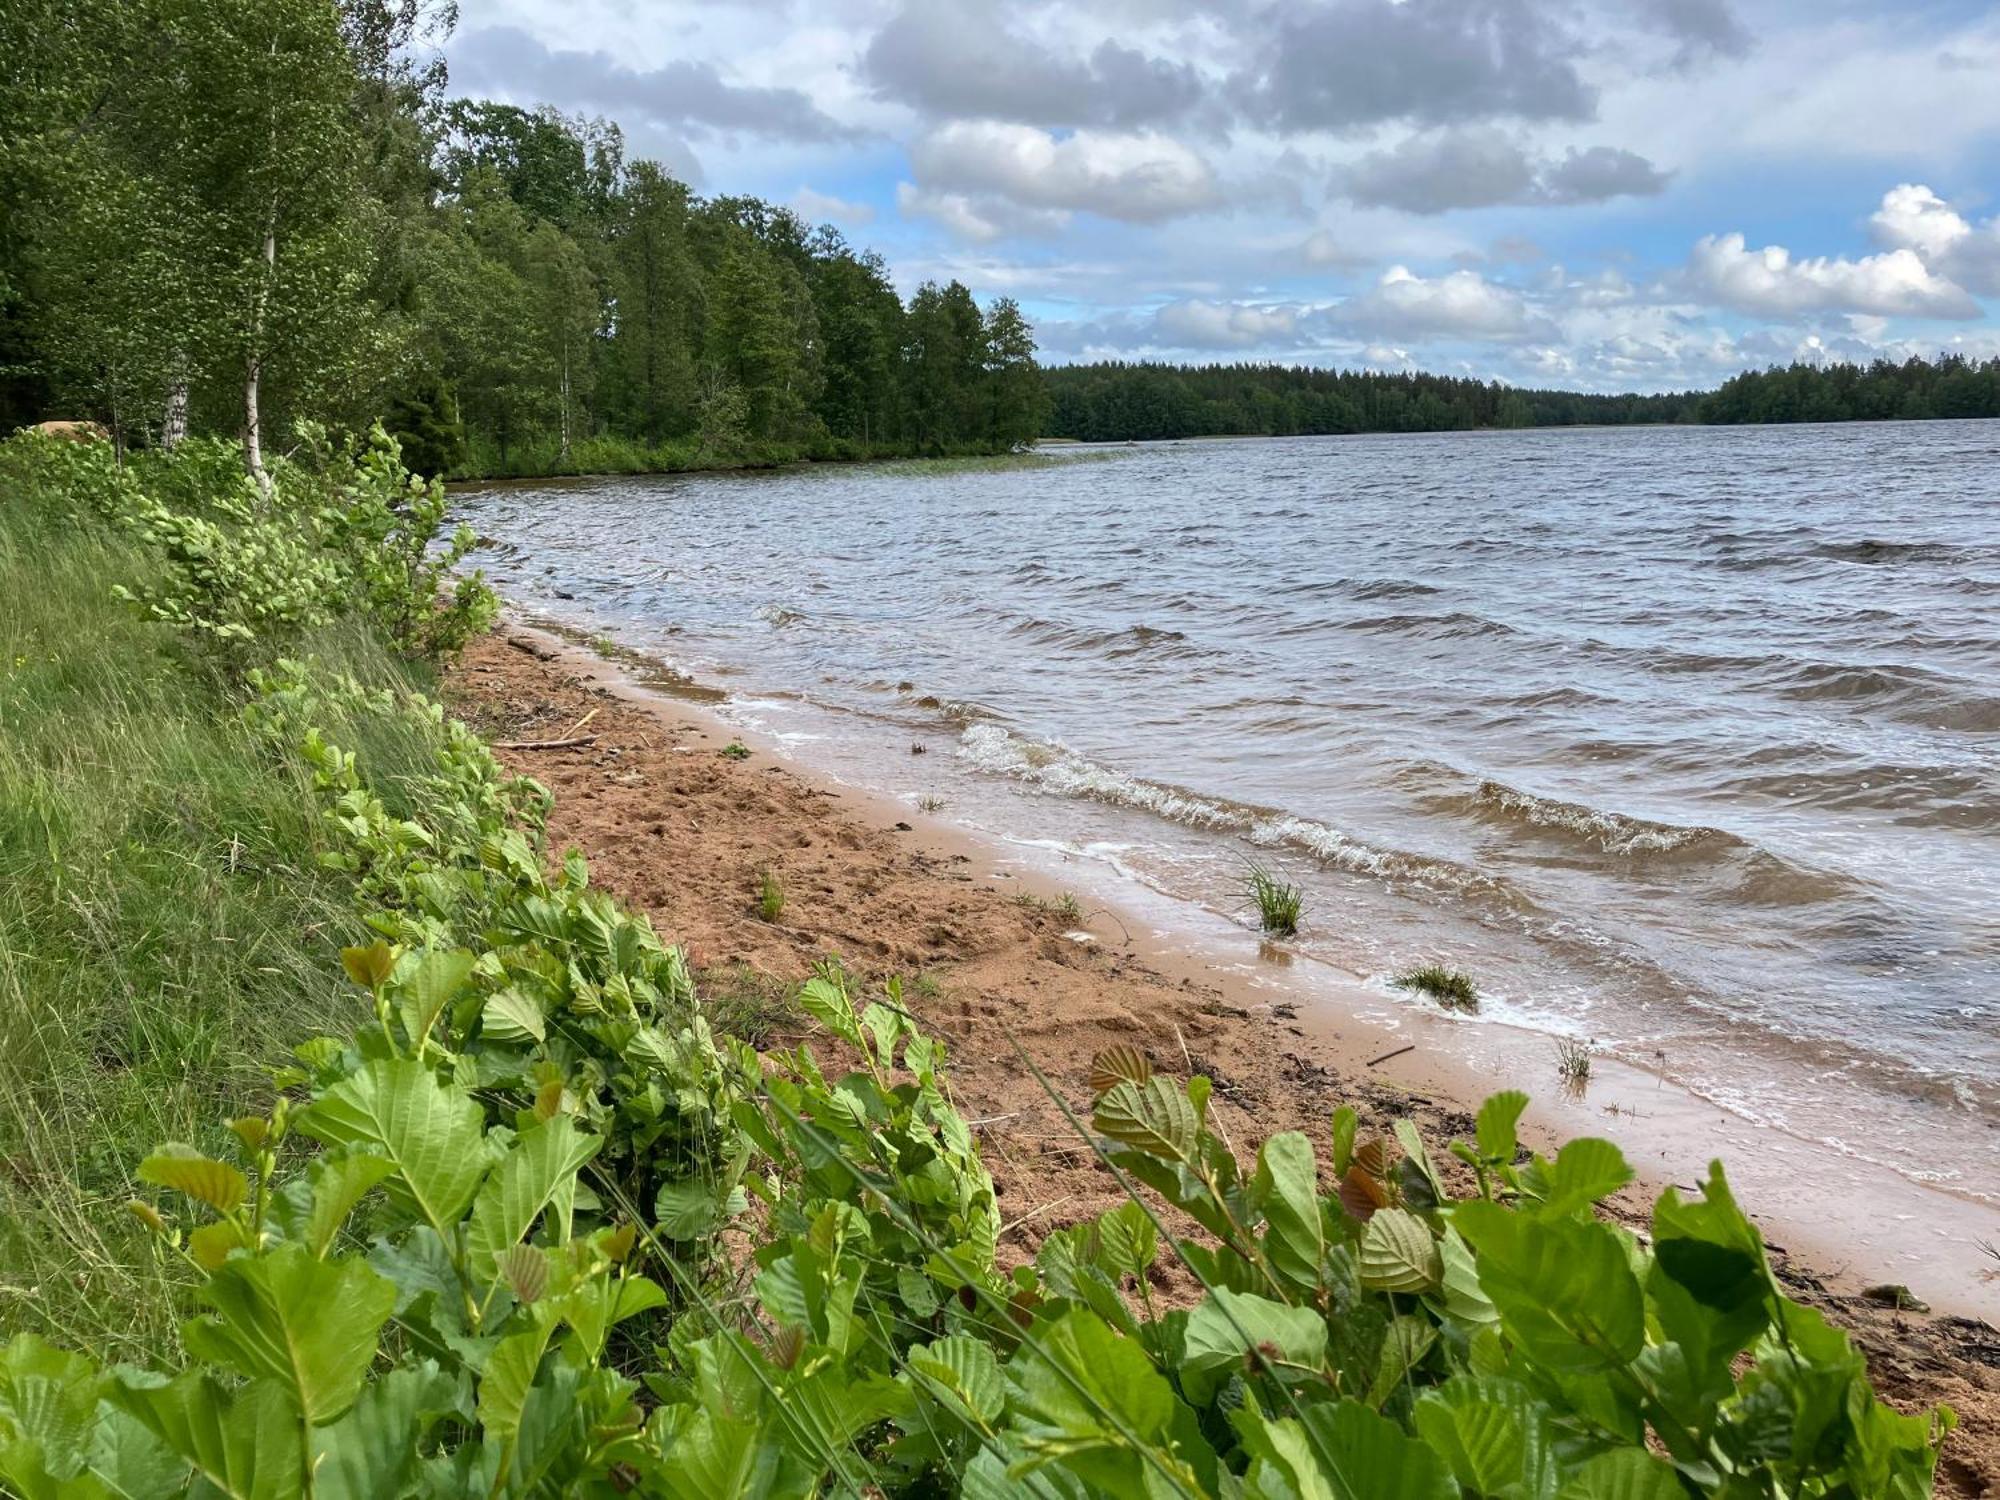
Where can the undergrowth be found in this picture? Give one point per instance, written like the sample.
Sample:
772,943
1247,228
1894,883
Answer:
525,1220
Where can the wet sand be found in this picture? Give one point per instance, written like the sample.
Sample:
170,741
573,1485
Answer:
684,832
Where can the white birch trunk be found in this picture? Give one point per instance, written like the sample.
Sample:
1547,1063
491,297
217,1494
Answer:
253,367
174,424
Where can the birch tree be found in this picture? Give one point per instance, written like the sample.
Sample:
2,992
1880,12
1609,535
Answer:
250,125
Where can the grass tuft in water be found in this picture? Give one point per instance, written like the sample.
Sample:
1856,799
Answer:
1279,904
1573,1063
1451,988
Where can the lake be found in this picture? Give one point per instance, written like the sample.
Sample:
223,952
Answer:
1684,741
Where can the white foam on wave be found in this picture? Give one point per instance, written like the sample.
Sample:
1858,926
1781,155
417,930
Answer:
1062,772
1615,832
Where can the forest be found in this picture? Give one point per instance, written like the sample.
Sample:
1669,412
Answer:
1114,402
227,215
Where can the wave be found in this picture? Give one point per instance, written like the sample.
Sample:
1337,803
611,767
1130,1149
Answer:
1061,772
1871,550
1738,869
1914,694
1457,625
1132,640
1613,832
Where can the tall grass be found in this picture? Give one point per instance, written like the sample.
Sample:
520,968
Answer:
165,928
1279,904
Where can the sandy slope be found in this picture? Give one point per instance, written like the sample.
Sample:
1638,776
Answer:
685,832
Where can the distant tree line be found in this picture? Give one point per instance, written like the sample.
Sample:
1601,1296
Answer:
231,214
1117,401
1915,390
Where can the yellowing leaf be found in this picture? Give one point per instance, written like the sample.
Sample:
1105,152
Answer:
202,1178
1123,1063
370,967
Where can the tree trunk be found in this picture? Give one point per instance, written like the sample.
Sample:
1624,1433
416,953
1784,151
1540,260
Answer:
174,425
253,367
565,400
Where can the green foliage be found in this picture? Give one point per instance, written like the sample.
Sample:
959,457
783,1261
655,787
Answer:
534,1227
345,528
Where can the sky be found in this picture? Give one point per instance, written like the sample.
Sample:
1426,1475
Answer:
1593,194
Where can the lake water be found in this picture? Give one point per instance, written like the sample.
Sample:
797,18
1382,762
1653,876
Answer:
1683,741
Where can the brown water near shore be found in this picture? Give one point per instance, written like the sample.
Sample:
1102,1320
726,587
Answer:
685,833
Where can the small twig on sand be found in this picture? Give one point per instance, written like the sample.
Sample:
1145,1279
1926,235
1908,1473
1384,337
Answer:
992,1120
571,742
577,727
1410,1047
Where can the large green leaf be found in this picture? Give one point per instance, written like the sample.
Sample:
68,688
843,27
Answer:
1499,1118
1287,1189
1564,1287
1078,1380
1623,1474
1710,1285
308,1325
131,1460
372,1452
48,1405
246,1443
1366,1457
1155,1117
434,1134
516,1191
432,981
339,1182
962,1373
1284,1465
1584,1171
1224,1330
508,1377
1398,1253
1491,1433
712,1457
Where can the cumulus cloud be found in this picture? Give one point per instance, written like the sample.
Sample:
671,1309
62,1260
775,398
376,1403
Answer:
507,62
1192,324
1140,177
1598,174
1405,307
1914,218
1770,283
951,58
1702,28
1433,174
1343,64
817,206
981,219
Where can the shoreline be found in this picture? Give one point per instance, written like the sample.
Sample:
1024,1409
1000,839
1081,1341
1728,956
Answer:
1923,1235
995,966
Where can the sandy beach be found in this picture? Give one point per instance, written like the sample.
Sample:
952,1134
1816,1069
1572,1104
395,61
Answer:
994,962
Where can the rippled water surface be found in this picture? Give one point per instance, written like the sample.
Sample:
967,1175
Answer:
1683,740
